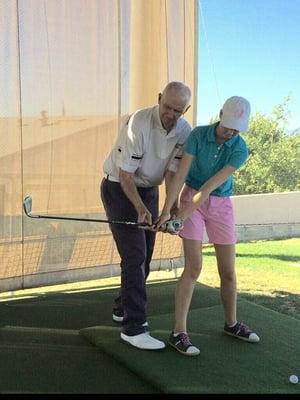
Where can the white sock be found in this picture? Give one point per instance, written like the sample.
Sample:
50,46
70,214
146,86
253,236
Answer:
177,333
231,326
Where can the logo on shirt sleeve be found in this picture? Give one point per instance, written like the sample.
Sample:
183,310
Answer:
136,157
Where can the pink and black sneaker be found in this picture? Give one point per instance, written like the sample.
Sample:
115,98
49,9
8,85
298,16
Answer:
182,343
241,331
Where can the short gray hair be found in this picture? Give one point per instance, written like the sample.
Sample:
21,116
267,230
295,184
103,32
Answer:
178,87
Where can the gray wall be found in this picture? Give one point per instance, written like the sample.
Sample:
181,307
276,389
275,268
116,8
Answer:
267,216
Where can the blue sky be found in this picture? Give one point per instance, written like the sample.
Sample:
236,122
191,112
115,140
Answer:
249,48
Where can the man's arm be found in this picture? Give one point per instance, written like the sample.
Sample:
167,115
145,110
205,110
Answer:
129,187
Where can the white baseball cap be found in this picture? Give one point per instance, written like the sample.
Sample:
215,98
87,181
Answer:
236,113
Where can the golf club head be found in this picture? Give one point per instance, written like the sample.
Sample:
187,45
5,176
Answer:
27,205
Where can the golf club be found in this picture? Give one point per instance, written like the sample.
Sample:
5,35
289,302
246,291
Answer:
27,206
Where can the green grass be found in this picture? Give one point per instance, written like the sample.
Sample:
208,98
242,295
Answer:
268,273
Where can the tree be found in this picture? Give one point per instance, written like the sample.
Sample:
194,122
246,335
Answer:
274,161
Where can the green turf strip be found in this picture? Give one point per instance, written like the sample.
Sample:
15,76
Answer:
39,360
225,365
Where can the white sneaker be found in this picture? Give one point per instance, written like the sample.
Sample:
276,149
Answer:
143,341
117,318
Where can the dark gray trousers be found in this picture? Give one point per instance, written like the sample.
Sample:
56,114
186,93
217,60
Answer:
135,247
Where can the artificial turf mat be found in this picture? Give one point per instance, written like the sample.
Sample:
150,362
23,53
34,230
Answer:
225,365
43,351
76,310
38,360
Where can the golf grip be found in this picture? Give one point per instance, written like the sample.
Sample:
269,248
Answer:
174,225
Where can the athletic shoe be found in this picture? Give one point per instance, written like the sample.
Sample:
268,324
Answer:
241,331
143,341
182,343
118,316
119,319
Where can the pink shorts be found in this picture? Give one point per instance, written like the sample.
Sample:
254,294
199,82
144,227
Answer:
215,214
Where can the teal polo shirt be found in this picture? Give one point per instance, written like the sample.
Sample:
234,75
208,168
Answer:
210,157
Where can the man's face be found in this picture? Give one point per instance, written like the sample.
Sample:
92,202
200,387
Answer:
172,106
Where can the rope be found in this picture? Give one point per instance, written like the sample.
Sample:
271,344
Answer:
210,55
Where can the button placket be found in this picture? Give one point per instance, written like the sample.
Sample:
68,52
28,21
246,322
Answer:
219,148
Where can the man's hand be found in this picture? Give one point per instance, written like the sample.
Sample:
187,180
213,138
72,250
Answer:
162,219
165,224
144,215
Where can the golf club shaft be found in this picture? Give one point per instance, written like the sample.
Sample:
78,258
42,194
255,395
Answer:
129,223
139,225
171,226
80,219
27,209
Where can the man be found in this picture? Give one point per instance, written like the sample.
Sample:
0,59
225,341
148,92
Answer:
211,155
147,151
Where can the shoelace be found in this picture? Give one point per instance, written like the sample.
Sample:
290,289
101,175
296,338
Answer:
243,328
184,338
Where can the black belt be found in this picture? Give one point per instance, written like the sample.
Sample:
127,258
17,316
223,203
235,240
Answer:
111,178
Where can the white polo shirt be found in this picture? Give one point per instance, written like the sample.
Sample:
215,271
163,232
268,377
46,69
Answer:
144,148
